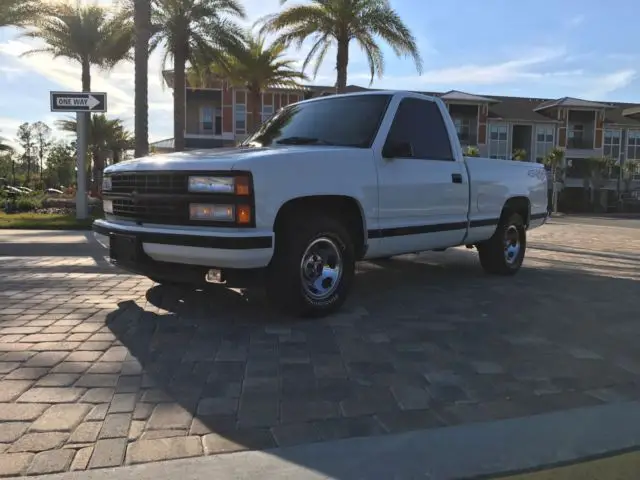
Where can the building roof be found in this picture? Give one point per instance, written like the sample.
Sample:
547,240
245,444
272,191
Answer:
570,102
522,109
457,96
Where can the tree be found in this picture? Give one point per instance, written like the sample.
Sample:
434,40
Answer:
191,29
142,28
90,35
598,172
329,22
254,66
630,168
87,34
26,139
105,137
20,12
554,162
42,134
61,165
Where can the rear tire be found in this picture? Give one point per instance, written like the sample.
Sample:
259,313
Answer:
313,267
504,252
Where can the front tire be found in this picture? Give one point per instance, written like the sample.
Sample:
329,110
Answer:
313,267
504,252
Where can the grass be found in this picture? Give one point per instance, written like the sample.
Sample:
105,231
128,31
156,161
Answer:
44,221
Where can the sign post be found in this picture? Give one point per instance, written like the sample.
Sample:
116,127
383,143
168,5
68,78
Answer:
83,104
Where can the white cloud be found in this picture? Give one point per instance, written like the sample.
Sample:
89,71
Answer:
504,72
606,84
576,20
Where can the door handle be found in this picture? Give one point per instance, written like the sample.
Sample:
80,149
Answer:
456,177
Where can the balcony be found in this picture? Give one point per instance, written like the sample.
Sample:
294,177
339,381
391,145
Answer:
579,143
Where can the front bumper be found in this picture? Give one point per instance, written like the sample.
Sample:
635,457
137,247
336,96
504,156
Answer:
210,247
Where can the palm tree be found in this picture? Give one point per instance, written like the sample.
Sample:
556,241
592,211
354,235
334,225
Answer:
254,66
338,22
20,12
106,136
191,29
142,27
87,34
599,169
554,161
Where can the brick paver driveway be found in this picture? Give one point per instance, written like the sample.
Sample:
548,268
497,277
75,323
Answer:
100,368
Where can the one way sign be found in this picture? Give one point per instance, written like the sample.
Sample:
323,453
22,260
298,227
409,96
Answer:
78,102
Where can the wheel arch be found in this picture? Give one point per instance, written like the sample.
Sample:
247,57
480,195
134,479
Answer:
347,208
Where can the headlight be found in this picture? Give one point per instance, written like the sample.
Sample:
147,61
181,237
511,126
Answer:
212,184
107,206
201,184
212,213
106,184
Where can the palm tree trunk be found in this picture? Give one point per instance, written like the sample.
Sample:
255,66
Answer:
179,81
86,117
256,110
142,20
342,62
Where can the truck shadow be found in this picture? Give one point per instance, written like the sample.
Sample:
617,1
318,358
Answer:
258,380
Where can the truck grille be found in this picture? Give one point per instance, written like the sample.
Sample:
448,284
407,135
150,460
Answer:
169,183
153,211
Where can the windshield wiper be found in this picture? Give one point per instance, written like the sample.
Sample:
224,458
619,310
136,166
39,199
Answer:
302,141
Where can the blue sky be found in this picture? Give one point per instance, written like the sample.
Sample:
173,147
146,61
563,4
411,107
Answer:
543,48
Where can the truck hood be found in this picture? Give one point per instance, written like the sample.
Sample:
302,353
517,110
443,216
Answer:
214,159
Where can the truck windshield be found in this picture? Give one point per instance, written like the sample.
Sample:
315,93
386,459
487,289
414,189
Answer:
348,121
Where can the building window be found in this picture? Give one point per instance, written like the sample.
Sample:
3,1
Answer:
498,142
206,120
267,111
633,145
463,128
544,141
611,146
576,137
241,118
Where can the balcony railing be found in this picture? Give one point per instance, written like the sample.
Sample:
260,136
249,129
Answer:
580,143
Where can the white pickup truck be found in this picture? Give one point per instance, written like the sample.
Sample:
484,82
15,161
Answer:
322,184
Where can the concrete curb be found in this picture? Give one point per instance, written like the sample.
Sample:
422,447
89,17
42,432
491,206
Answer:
464,451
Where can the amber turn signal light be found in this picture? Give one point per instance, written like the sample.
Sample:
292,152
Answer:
242,186
244,214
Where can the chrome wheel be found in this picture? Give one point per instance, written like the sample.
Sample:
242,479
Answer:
511,244
321,268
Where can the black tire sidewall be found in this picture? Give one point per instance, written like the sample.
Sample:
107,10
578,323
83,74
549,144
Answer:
285,282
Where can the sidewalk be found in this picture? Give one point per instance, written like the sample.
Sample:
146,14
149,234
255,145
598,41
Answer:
467,451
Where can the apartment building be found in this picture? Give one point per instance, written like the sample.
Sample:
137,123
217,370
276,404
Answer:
218,115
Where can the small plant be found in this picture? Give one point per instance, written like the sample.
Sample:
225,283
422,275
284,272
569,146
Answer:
472,151
519,154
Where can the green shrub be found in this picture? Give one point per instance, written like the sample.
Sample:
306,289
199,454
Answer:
28,203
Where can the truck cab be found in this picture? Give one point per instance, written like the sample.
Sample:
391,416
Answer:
321,185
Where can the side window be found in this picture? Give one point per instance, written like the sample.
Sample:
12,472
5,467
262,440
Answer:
420,123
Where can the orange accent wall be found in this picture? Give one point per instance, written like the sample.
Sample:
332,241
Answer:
562,137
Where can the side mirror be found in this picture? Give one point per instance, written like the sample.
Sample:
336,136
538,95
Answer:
397,149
